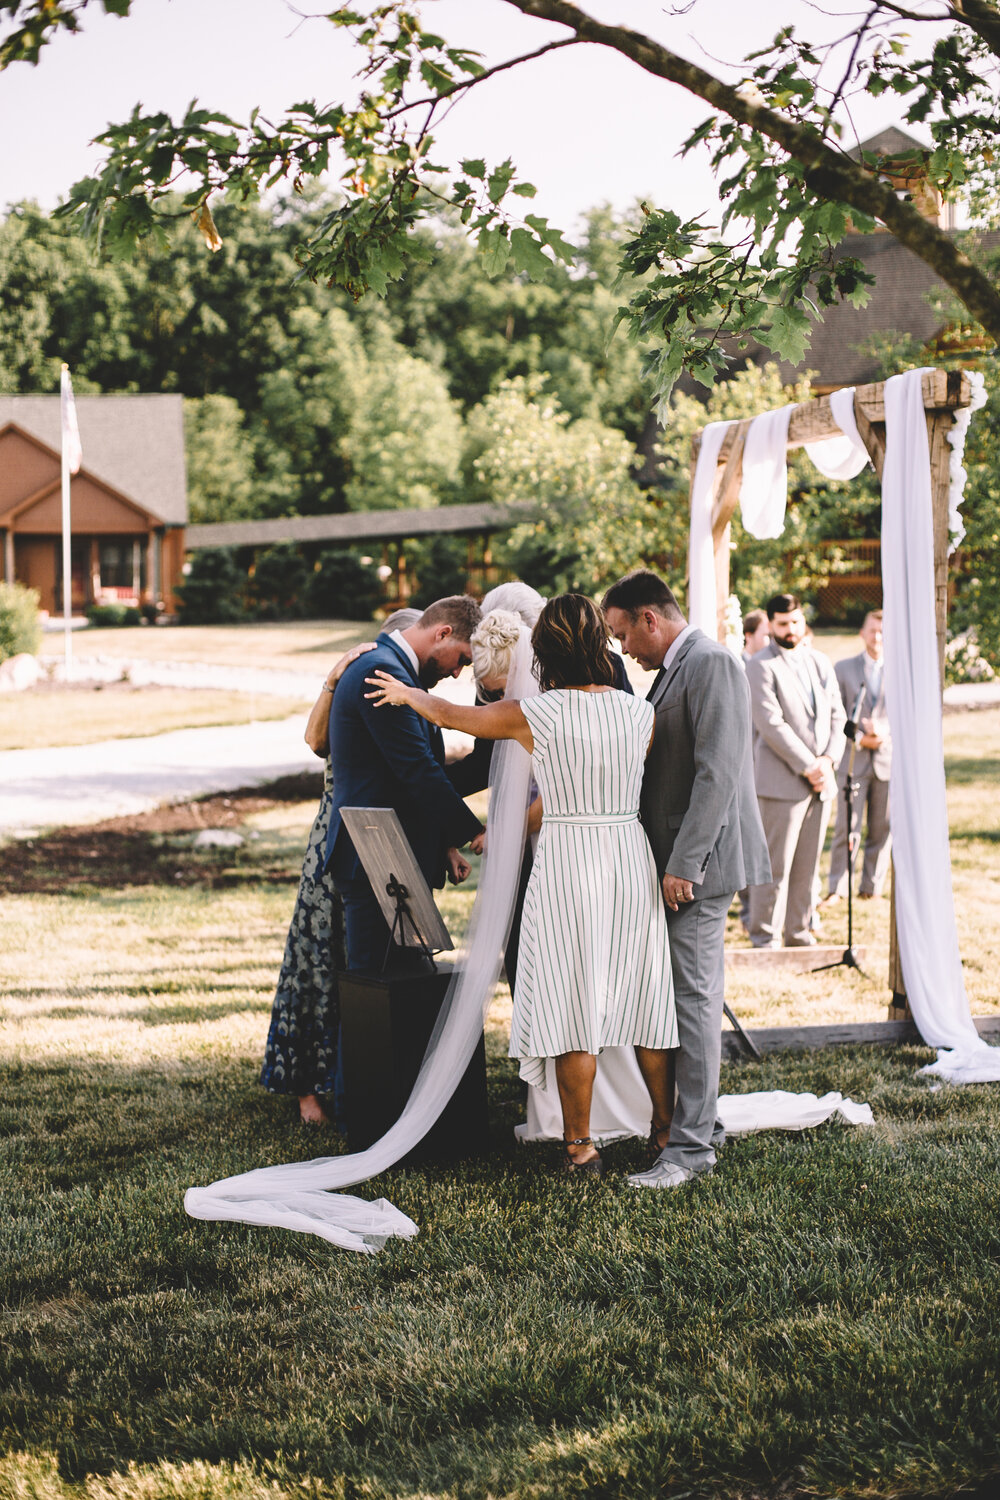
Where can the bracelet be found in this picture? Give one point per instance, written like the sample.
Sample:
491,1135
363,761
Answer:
328,689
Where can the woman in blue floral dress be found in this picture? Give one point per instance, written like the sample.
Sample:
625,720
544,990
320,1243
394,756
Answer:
302,1054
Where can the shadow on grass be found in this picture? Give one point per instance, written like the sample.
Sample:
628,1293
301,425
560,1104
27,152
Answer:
135,851
189,1013
961,770
814,1318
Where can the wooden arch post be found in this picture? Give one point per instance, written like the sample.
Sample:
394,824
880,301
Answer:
944,392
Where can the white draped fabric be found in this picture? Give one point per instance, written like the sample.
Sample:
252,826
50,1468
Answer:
702,604
764,487
845,456
297,1195
918,813
774,1109
621,1106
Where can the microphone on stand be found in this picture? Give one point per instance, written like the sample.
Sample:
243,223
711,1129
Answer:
851,727
850,958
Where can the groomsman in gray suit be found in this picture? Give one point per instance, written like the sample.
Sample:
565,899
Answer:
798,719
860,678
700,814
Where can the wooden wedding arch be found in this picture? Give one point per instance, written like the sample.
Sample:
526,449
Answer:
944,393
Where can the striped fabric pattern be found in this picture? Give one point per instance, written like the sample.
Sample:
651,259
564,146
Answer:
594,964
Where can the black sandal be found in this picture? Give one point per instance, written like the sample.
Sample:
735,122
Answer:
592,1167
653,1147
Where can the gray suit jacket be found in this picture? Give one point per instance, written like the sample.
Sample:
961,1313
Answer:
789,735
851,679
698,805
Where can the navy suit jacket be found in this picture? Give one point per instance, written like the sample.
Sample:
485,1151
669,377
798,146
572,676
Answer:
391,757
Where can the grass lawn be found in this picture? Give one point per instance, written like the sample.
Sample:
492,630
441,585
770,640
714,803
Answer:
300,646
71,714
817,1318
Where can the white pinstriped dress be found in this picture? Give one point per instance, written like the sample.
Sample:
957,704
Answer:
594,964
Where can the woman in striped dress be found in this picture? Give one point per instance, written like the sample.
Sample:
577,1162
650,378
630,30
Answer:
594,968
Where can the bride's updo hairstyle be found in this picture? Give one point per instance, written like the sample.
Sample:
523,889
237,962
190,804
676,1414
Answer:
571,642
517,597
493,642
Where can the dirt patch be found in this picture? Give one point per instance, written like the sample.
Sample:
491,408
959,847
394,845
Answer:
136,850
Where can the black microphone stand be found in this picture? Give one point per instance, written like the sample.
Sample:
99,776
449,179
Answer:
849,959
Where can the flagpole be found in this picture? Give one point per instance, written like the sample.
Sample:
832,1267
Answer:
67,566
70,463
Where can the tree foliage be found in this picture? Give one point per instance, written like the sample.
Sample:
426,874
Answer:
787,181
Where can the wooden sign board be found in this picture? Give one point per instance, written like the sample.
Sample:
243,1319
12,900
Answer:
389,862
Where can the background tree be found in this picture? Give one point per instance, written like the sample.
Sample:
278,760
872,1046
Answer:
790,188
591,520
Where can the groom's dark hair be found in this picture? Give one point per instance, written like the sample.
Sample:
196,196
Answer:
642,590
460,611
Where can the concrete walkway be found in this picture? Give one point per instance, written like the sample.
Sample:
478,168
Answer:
42,789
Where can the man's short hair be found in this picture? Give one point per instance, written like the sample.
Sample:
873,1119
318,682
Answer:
460,611
873,614
642,589
753,621
782,604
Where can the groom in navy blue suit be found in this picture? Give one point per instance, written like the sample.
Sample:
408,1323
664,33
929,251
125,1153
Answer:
397,760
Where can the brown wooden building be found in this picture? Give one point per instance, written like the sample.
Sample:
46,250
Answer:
128,503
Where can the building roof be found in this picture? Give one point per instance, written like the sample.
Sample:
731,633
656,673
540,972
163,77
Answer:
135,444
889,142
899,304
361,525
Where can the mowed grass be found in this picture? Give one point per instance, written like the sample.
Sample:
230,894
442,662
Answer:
89,714
300,646
817,1318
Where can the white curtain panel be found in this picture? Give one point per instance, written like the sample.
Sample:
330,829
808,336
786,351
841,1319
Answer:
764,490
845,456
925,906
702,603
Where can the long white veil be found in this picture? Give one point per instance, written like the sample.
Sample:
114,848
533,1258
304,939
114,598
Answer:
297,1195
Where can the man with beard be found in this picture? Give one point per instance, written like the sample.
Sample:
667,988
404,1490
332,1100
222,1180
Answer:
397,760
798,719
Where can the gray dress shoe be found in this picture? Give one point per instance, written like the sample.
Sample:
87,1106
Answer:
664,1174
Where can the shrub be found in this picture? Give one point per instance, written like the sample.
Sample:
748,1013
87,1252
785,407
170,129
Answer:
342,587
19,625
214,590
278,585
441,567
113,614
963,662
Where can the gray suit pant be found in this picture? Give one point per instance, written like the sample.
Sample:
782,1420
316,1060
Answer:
871,799
697,958
781,913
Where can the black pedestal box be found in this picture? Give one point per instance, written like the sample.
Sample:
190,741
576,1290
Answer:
386,1022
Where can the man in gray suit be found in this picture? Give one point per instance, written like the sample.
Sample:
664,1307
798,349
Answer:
700,814
861,688
799,722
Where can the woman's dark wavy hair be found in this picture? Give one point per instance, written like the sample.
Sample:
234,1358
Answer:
570,642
